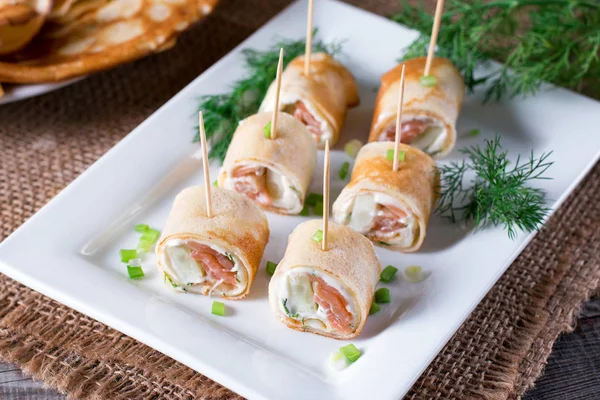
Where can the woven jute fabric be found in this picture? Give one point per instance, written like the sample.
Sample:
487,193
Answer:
48,141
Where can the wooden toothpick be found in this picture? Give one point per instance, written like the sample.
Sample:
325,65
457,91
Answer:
434,34
325,197
399,119
205,165
309,31
277,90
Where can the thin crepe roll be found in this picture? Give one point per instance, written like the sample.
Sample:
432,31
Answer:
429,114
325,292
217,255
390,208
320,100
275,173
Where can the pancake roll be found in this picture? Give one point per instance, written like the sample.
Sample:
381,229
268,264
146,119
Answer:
392,208
328,292
320,100
218,255
429,112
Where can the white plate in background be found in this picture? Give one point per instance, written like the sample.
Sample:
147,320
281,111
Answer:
69,249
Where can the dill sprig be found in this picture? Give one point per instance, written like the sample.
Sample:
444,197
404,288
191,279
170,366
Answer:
223,112
539,41
498,191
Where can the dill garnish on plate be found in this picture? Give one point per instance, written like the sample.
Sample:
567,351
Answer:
223,112
488,189
539,41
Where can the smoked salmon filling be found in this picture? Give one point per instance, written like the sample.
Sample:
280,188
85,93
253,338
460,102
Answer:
191,266
320,100
424,133
391,208
274,173
430,110
217,255
325,292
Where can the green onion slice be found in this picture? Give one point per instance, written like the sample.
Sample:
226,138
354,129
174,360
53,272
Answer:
135,272
344,170
313,198
271,266
374,308
305,211
141,228
388,274
352,147
474,132
428,81
218,308
350,352
127,255
382,295
267,130
390,155
337,361
150,235
415,274
318,208
318,236
216,183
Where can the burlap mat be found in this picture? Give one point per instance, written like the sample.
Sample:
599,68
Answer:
46,142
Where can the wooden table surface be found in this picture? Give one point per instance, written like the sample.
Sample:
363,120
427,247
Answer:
573,370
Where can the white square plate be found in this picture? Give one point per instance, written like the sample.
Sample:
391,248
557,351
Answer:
75,238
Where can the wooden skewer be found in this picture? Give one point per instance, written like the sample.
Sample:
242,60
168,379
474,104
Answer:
205,165
399,119
309,31
434,34
325,197
277,90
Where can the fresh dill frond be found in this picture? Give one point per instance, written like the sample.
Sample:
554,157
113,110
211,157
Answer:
498,191
538,41
223,112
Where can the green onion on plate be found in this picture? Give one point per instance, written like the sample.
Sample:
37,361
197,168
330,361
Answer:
218,308
382,296
388,274
352,147
128,254
350,352
344,170
271,267
374,308
135,272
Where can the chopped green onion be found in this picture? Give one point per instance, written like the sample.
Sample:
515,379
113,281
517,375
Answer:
267,130
388,274
382,295
151,235
170,281
218,308
428,81
144,246
141,228
313,199
216,183
350,352
374,308
414,274
127,255
474,132
344,170
318,208
271,266
305,211
337,361
390,155
135,272
135,262
383,243
352,147
318,236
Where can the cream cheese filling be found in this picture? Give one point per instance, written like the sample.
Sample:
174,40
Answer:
189,275
283,194
296,297
431,141
360,212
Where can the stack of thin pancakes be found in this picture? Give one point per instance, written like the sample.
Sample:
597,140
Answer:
45,41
